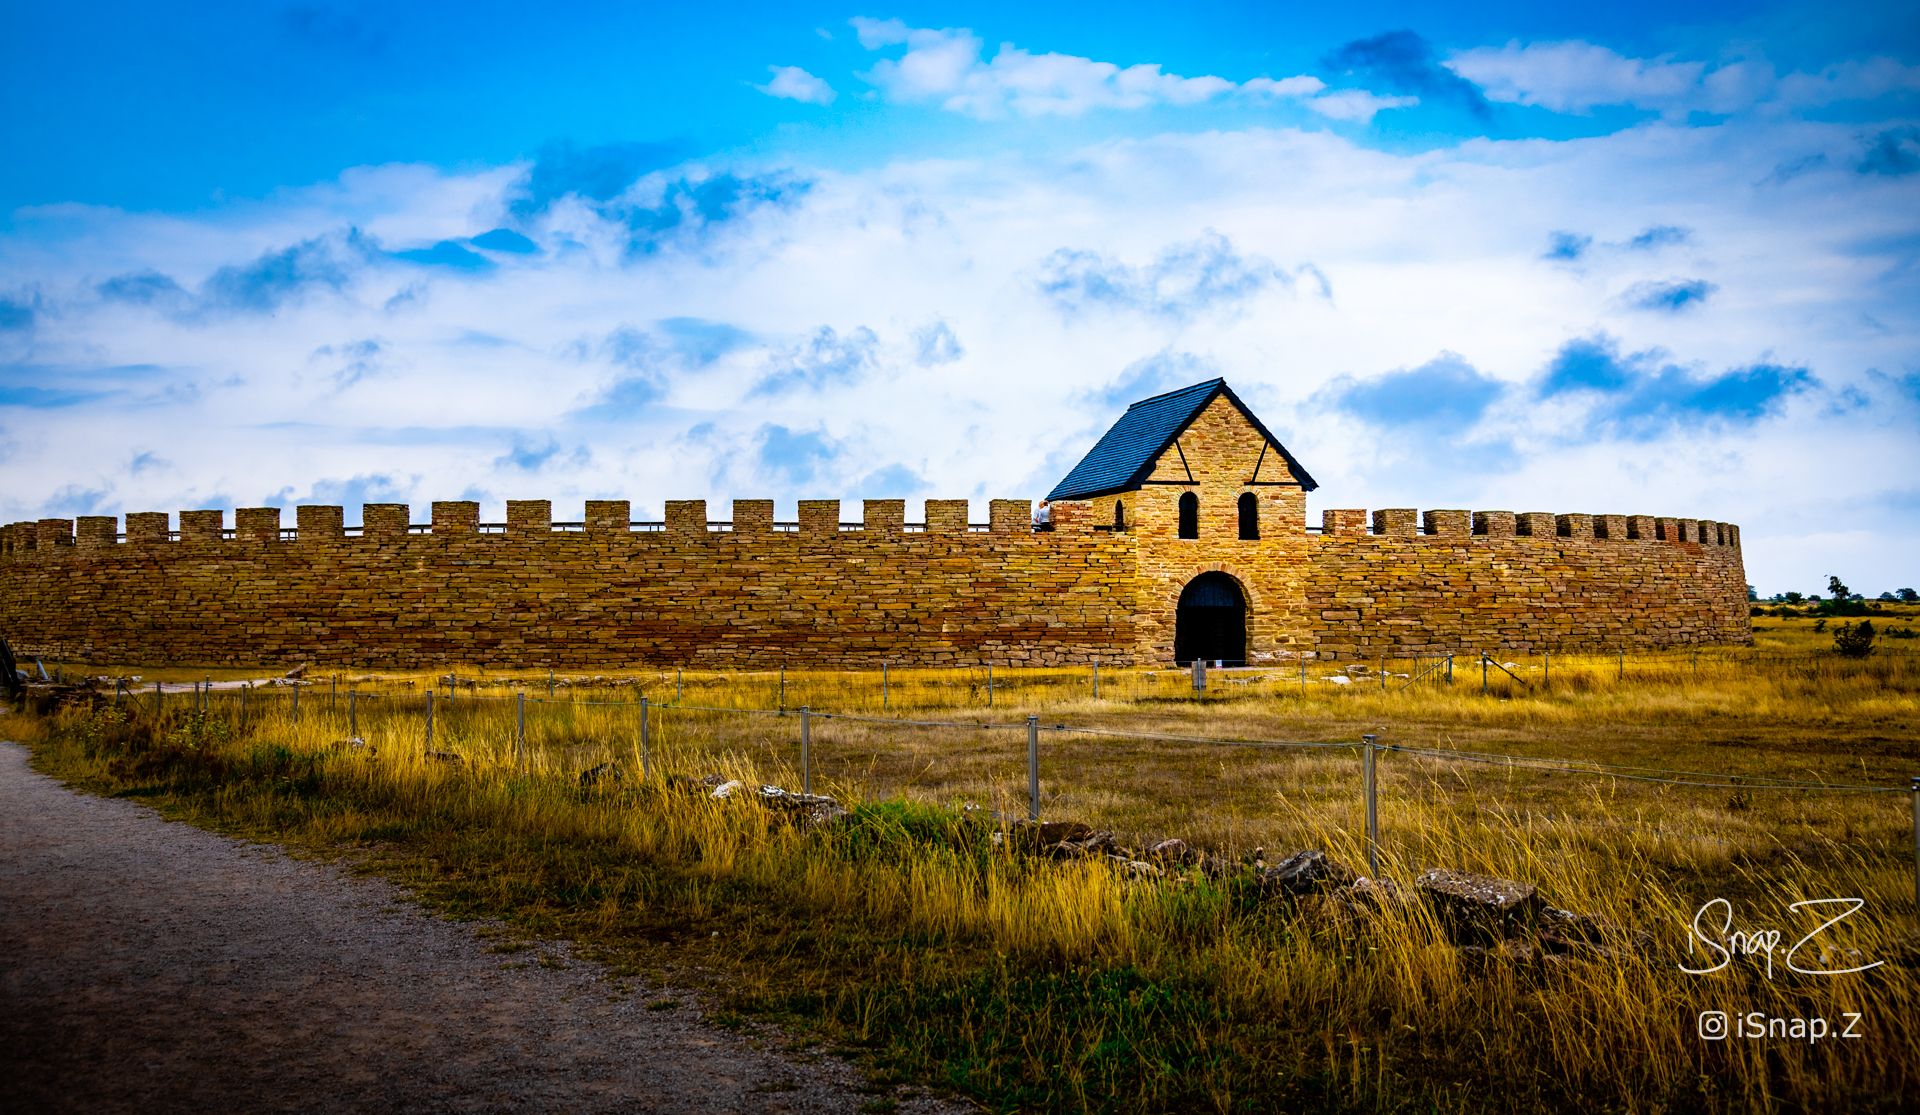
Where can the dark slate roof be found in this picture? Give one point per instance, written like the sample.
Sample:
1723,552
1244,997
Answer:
1124,455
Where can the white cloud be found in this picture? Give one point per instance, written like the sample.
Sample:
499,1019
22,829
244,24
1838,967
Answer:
1849,81
1356,105
1575,76
795,84
633,374
1304,85
946,67
1578,77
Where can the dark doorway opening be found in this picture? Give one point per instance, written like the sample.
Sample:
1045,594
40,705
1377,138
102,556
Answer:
1211,621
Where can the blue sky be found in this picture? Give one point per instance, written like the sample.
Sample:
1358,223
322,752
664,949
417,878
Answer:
1646,259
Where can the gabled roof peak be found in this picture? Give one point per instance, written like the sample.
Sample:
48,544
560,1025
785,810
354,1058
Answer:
1124,455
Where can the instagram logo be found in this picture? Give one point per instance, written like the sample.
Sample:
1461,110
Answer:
1713,1025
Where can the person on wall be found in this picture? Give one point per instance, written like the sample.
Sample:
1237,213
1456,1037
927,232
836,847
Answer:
1043,516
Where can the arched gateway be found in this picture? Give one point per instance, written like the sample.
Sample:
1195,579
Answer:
1211,621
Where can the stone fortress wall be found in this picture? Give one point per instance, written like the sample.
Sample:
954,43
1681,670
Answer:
750,593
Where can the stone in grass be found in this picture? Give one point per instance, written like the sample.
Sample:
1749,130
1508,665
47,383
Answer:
814,809
1304,873
1477,907
605,772
1173,851
728,789
1096,844
446,757
1037,836
1135,868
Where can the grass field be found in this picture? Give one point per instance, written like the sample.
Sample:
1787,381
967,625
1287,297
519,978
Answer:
907,933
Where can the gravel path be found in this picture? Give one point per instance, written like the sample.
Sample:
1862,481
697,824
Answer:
149,965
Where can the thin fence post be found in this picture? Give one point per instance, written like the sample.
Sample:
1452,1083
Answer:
453,686
549,685
1449,668
1383,673
1303,672
883,687
1623,667
782,703
333,694
806,751
429,719
353,714
1915,787
157,698
646,760
1373,805
679,693
989,683
118,685
520,726
1546,677
1033,768
1483,673
1096,679
244,690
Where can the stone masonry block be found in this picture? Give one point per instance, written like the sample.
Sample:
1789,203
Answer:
1642,527
1010,516
257,524
1574,525
687,516
1343,521
752,516
319,522
529,516
202,526
147,526
820,516
456,516
1536,524
95,532
1453,523
1613,528
609,516
1395,521
884,516
49,533
1709,532
385,520
946,516
1494,524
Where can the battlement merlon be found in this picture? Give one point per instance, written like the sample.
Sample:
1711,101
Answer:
326,523
881,517
1406,522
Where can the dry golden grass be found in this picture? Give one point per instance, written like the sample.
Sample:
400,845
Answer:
1028,983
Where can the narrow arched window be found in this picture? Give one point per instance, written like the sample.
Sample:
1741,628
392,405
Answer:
1249,516
1119,515
1189,516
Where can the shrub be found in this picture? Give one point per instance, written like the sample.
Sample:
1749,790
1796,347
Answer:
1854,640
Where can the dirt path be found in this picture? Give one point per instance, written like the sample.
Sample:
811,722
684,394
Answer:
149,965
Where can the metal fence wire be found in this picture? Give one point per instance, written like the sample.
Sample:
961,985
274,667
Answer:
248,702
